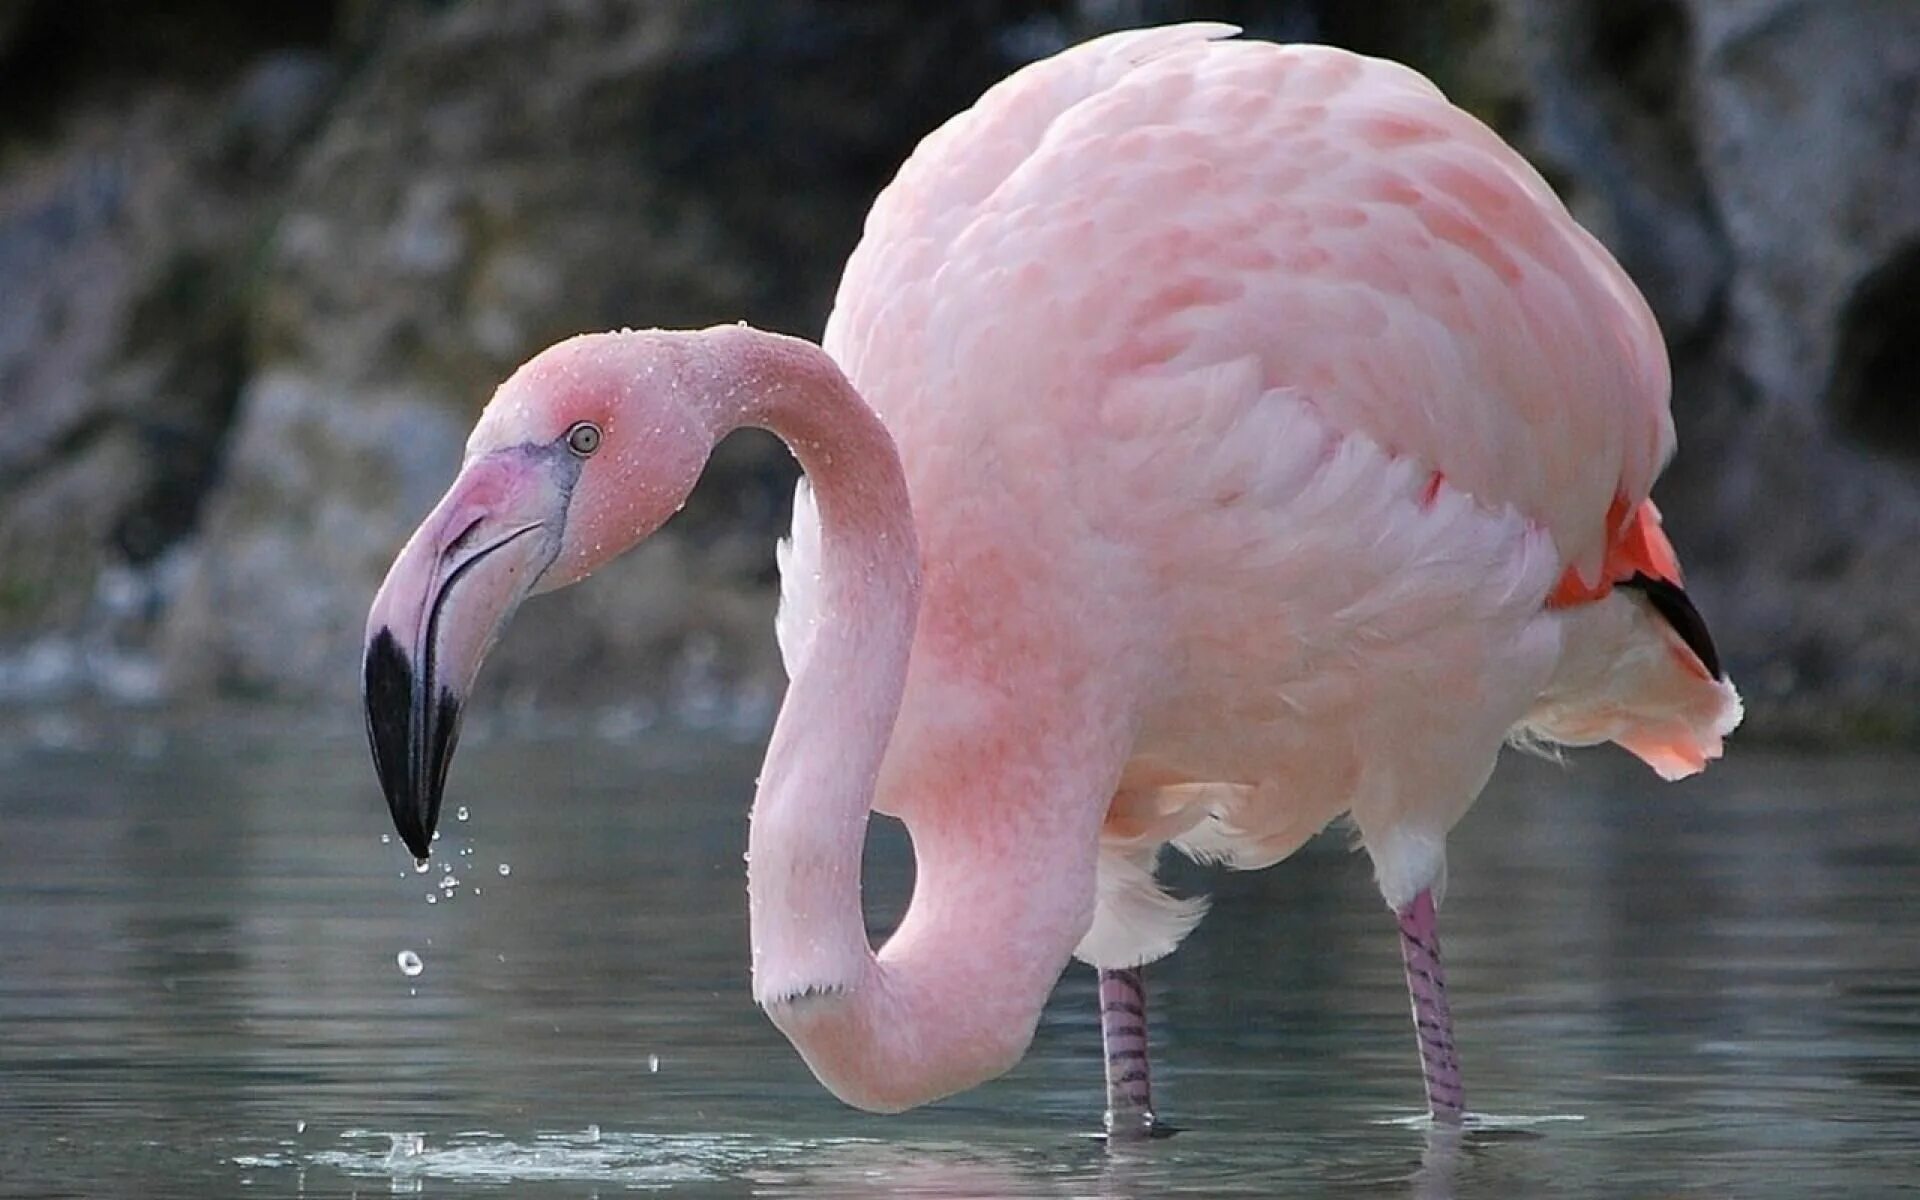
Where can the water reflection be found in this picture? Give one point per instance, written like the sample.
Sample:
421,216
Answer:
1712,988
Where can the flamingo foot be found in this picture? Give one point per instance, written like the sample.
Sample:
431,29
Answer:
1123,1034
1432,1017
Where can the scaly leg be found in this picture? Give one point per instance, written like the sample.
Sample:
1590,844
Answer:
1123,1034
1432,1018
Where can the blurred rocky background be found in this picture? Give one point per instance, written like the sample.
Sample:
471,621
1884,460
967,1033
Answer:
260,265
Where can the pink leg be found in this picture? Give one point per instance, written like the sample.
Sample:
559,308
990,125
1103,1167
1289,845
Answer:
1432,1018
1123,1034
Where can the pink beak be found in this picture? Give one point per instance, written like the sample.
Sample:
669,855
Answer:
442,607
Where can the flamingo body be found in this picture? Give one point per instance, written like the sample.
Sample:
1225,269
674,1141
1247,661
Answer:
1212,438
1253,400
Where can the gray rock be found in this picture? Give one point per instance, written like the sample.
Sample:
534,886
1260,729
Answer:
1808,114
504,174
1749,161
254,298
119,355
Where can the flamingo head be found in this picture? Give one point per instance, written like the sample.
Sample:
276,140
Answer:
583,452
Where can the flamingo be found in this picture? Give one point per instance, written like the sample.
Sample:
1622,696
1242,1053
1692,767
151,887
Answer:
1211,439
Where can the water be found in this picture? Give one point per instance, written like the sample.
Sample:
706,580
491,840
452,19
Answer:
1711,989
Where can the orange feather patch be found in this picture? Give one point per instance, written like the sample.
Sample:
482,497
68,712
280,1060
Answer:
1637,547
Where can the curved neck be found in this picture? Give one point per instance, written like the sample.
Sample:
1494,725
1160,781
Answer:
809,820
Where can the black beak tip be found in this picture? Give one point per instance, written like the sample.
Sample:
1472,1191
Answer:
417,836
411,744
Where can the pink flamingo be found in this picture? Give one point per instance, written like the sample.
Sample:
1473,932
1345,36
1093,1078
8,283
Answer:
1211,438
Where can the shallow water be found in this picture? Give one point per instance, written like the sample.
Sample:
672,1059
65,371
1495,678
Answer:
1707,989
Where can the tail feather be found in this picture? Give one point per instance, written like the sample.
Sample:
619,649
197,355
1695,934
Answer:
1637,665
1626,675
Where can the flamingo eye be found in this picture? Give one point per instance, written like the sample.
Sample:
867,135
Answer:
584,438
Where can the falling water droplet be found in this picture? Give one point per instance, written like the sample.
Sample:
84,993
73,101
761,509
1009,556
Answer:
506,868
300,1126
386,839
410,965
433,897
653,1064
460,813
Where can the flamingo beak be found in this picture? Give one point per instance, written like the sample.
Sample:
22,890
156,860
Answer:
444,603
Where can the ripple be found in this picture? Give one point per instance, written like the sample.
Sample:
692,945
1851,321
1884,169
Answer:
1486,1122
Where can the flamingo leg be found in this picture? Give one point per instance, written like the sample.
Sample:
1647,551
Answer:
1432,1017
1123,1035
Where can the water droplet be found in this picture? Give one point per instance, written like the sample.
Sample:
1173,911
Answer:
386,839
448,882
476,889
436,835
433,897
653,1064
301,1126
460,813
506,868
420,866
407,1145
410,965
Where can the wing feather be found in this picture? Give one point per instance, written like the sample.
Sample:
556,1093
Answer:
1165,200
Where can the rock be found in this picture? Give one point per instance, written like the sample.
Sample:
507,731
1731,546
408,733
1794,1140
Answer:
1817,500
255,293
1746,161
129,217
119,358
505,174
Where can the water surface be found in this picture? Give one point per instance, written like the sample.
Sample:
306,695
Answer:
1709,989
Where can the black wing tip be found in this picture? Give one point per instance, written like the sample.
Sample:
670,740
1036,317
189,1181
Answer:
1676,609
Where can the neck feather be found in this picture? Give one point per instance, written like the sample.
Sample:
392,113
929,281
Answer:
816,788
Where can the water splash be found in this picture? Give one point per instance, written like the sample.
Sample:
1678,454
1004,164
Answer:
405,1146
639,1161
